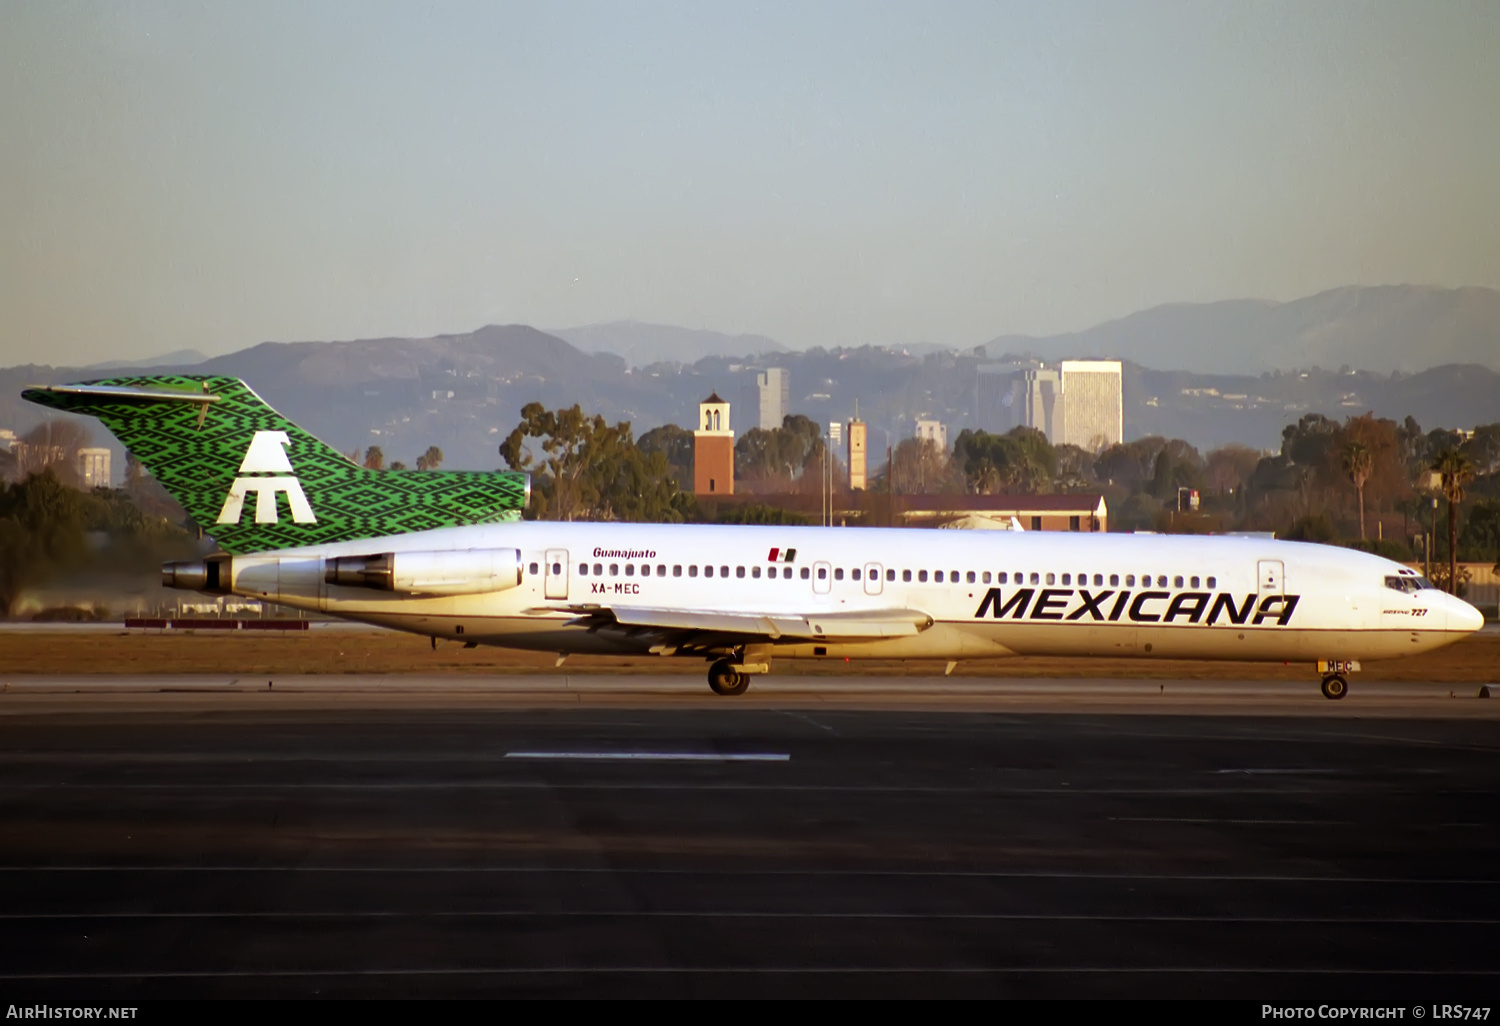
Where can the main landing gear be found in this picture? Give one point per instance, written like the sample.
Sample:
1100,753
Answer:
726,680
1336,677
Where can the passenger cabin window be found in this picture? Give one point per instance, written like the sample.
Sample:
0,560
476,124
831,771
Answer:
693,570
1036,578
922,576
1067,579
822,573
1098,580
1114,580
1051,579
786,573
755,572
739,571
986,577
937,576
661,569
838,574
723,571
1213,582
614,569
583,569
969,577
1161,581
854,574
629,569
1177,582
890,575
1194,582
532,569
708,571
906,576
1130,580
805,573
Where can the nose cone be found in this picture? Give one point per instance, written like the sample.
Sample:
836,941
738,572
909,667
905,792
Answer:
1462,616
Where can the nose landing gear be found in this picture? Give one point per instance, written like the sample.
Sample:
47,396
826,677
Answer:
1336,676
1335,686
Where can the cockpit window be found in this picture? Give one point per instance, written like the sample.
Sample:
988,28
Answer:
1409,585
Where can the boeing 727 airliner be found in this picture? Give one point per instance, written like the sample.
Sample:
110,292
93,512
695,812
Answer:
445,554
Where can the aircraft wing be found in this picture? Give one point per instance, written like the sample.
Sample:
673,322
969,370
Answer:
866,625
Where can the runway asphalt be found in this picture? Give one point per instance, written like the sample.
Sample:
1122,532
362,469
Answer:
927,838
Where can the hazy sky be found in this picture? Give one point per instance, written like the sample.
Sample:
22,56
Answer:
211,175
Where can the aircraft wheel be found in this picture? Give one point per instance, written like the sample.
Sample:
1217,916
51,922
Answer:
1335,686
725,681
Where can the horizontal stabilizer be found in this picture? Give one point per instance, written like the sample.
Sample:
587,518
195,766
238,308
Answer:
116,393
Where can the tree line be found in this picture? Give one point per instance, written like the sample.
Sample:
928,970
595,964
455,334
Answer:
1329,481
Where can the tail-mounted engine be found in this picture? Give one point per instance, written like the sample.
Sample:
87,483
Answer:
209,575
466,572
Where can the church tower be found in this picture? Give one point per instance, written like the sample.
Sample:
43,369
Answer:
713,449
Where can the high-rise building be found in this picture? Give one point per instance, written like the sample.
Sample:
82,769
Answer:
1042,402
933,430
1093,405
1000,395
713,449
775,397
93,468
857,438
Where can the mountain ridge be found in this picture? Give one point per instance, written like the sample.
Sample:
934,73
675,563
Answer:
1381,328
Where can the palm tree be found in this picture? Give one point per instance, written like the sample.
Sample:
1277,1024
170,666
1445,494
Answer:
986,478
1357,464
374,458
1455,471
431,459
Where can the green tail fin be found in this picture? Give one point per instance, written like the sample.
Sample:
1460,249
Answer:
255,481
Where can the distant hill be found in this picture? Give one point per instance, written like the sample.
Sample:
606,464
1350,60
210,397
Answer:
177,358
464,392
1383,329
641,345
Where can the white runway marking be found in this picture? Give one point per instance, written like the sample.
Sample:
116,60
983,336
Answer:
654,756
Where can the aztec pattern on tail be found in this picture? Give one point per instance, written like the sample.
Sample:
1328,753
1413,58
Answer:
255,481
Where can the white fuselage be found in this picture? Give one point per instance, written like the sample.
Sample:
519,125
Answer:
986,593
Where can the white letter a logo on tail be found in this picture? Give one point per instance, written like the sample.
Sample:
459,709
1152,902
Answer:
267,454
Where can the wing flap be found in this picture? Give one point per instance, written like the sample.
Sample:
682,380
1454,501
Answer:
863,625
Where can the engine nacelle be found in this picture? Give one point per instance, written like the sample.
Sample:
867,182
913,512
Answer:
463,572
210,575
